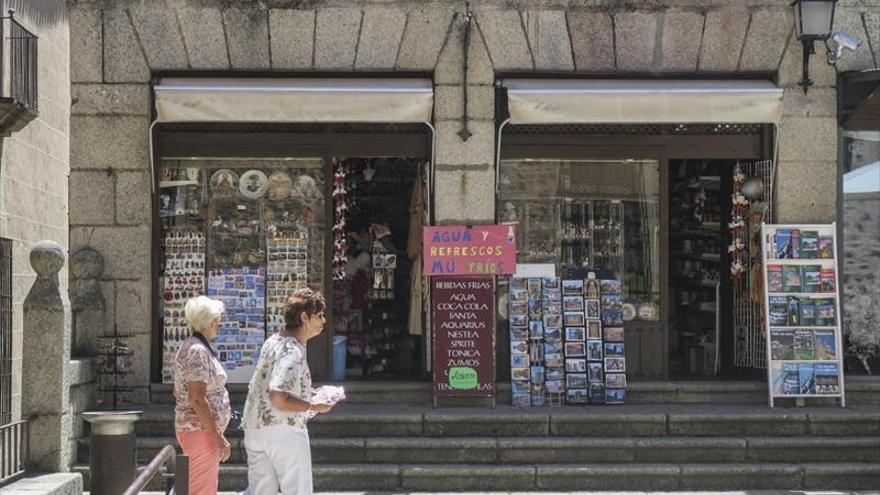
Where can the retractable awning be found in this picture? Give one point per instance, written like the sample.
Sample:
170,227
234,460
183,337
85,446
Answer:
553,101
403,100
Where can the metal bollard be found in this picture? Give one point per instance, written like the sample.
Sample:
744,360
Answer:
181,475
112,451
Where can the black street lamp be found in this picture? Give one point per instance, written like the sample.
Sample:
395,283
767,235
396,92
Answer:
813,20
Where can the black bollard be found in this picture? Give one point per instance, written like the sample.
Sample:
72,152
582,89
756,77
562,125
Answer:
112,451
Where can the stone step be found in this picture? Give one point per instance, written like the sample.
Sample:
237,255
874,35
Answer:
361,420
859,391
564,477
420,450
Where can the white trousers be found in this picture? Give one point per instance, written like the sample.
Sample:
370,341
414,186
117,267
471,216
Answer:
278,456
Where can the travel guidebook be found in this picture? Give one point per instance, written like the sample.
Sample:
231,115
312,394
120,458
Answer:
781,344
778,311
803,345
827,378
774,278
807,378
811,278
784,378
824,346
809,245
791,278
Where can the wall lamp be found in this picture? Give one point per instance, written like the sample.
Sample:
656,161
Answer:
814,21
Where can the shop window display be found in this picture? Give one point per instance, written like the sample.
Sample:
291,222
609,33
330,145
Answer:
582,216
245,232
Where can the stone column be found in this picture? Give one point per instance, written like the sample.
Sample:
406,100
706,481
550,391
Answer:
87,301
45,358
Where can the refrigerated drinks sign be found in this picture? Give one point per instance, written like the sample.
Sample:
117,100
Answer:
463,315
469,250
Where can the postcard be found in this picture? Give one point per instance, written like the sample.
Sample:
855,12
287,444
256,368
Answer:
519,320
575,365
554,374
536,330
537,374
576,380
522,400
573,319
594,350
591,288
572,287
612,334
597,393
536,308
554,295
575,349
519,360
593,309
536,352
519,333
614,349
615,396
595,373
519,347
573,303
519,373
615,380
575,333
518,295
550,282
519,387
552,348
781,344
519,308
551,320
552,333
616,364
577,396
518,284
555,386
534,288
553,360
609,286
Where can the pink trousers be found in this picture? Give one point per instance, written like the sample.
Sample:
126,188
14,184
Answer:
204,461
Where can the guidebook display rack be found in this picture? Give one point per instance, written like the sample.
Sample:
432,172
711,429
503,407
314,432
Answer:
802,312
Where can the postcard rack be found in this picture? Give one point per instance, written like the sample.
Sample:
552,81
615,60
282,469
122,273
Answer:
802,312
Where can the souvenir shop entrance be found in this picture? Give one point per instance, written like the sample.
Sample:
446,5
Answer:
648,204
263,185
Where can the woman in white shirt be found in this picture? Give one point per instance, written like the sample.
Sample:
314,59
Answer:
279,401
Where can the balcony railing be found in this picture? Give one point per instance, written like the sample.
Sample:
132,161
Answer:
13,450
18,75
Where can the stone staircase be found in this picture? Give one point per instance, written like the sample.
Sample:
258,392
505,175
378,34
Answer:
388,437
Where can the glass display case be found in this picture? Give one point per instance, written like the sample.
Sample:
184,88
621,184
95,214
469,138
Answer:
245,232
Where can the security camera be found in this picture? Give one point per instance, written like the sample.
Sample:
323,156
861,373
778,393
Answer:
842,42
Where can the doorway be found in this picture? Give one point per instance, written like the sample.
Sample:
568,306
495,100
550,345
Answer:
379,207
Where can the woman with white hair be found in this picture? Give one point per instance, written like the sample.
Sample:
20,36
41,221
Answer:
202,411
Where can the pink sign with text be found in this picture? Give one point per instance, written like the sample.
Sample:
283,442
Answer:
469,250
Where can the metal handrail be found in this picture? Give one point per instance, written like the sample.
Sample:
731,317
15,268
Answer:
14,450
178,464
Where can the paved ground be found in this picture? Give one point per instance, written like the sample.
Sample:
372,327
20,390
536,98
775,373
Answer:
747,492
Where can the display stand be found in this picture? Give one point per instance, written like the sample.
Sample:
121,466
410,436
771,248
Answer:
802,312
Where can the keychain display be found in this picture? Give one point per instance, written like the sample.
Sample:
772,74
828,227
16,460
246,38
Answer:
286,270
183,278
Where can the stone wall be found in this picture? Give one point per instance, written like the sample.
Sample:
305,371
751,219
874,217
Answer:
34,164
118,45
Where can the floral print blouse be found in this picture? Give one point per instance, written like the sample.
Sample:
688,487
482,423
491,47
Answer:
282,367
195,363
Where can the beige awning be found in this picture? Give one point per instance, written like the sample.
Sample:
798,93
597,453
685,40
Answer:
371,100
569,101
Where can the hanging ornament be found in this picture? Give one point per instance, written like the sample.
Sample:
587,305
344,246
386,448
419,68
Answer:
340,197
737,227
